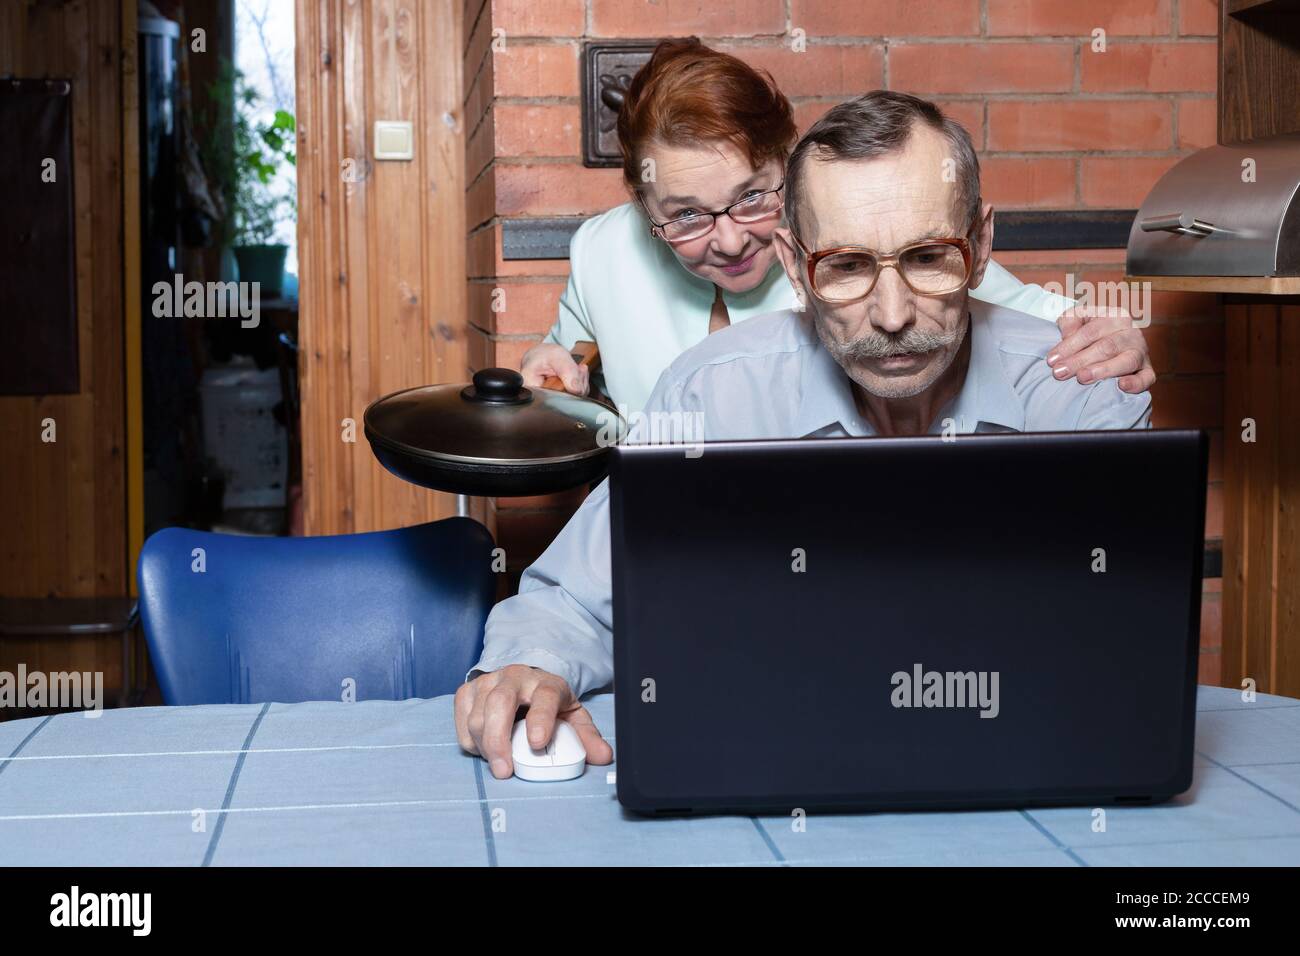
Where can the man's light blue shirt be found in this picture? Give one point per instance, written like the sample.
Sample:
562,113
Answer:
770,377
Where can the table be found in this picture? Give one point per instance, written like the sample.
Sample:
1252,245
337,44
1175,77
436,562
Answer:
383,782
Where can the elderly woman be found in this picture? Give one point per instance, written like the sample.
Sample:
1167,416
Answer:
705,138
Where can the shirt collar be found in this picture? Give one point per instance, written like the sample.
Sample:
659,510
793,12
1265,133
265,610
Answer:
986,396
827,393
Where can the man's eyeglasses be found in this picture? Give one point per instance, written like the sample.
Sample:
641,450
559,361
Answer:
849,273
696,225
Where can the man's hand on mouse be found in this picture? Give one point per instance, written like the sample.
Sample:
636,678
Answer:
486,708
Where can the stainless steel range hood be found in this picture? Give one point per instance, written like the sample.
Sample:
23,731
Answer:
1223,211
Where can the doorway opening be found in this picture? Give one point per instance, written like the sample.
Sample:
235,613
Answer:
219,266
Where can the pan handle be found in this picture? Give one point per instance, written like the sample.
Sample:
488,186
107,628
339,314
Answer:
584,353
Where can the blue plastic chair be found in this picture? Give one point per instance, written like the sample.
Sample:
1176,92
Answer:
399,613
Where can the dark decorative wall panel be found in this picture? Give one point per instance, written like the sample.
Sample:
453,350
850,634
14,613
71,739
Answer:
38,296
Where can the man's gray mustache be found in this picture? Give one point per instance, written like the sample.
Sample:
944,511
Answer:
884,345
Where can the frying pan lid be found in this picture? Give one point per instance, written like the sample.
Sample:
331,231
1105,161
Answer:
494,421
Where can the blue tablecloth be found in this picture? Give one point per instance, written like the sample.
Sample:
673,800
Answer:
383,782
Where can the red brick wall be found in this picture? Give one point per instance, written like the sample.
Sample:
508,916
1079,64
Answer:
1058,126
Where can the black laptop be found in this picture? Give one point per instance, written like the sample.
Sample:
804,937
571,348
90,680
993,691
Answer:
865,624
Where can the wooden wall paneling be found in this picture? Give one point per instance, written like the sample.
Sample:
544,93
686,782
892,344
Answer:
1286,662
19,421
63,504
131,292
107,472
344,39
324,372
1259,60
398,242
1235,402
306,48
1261,601
46,53
312,76
446,308
73,486
448,331
1259,96
375,271
1261,492
444,194
357,304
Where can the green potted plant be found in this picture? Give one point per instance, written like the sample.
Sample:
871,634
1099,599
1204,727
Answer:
246,155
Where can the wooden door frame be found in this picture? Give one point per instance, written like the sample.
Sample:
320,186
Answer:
382,289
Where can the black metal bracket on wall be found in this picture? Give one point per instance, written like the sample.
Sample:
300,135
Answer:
607,69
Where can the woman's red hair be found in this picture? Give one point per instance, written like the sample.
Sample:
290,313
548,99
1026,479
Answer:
689,94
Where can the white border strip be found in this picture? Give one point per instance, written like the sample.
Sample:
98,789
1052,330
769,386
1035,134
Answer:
380,804
219,753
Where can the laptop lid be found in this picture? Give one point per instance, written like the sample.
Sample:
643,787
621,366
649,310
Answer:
995,620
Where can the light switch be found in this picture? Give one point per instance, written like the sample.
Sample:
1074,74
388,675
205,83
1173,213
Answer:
394,140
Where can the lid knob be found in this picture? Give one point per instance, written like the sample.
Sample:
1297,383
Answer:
497,386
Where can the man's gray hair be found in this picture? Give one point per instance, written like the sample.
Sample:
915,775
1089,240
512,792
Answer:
876,123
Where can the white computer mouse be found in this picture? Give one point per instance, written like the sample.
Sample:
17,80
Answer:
563,759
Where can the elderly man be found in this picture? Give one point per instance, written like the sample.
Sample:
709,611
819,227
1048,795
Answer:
886,234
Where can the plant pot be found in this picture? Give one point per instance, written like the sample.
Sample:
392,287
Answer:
264,264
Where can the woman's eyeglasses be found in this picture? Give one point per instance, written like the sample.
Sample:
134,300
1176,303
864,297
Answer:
696,225
849,273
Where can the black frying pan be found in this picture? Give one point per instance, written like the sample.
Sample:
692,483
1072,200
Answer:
494,437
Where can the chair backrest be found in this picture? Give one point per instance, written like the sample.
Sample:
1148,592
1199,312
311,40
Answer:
235,619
